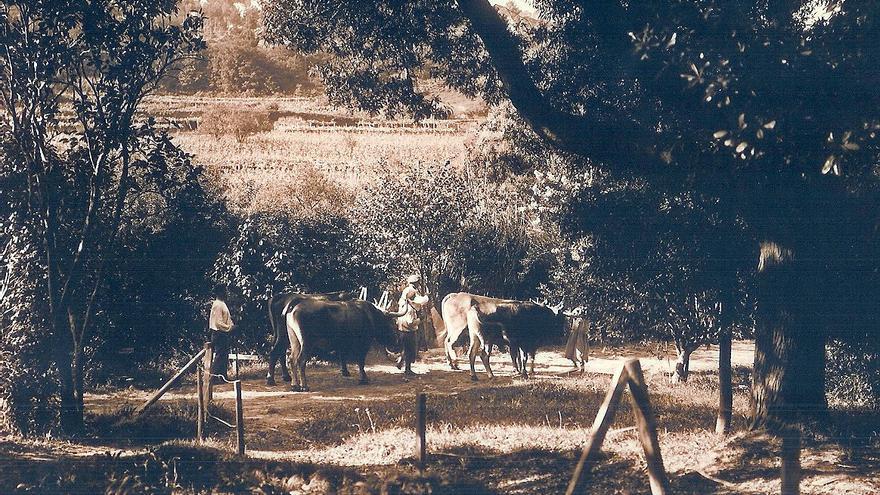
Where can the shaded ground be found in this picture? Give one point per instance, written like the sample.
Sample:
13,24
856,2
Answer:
502,436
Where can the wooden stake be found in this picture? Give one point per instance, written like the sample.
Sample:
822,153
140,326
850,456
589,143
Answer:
239,418
200,421
790,471
159,393
647,428
421,447
206,366
600,427
725,387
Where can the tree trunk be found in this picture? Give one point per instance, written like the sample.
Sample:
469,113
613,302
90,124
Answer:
682,364
725,387
789,373
71,414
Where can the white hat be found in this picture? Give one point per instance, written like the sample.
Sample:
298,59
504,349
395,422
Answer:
413,279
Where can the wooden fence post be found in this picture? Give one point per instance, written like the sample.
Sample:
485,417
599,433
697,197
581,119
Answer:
206,368
421,448
200,421
239,418
647,426
790,471
725,387
600,427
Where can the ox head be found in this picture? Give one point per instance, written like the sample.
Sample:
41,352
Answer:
384,322
560,318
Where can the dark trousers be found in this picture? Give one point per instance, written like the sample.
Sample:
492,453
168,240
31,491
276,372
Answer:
410,343
220,344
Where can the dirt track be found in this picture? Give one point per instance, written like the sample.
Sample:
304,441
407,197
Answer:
274,408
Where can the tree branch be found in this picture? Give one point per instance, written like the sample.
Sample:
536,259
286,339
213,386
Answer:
621,141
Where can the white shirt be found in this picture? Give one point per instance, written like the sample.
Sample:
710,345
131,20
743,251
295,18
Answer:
219,320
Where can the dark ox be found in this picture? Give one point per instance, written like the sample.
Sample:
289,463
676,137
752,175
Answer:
277,306
344,328
523,326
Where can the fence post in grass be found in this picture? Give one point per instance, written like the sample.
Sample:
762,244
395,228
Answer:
239,418
725,387
600,428
647,426
420,430
200,421
206,367
791,461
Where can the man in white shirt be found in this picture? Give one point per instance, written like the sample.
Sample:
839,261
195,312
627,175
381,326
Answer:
408,324
220,323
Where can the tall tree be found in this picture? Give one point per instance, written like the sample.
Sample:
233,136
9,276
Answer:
771,106
73,74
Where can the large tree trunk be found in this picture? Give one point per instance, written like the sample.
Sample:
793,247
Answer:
789,374
682,364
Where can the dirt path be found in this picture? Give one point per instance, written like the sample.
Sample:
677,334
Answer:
386,381
270,408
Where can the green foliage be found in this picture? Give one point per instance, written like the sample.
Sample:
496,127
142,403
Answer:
28,386
276,252
234,62
71,82
853,374
454,229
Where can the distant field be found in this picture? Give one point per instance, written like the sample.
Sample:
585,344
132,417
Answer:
347,147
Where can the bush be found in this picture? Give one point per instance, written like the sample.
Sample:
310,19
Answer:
852,372
237,121
275,252
28,398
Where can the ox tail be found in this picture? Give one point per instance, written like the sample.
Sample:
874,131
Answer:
272,320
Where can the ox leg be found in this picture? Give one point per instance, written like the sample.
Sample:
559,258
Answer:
302,373
363,380
344,366
277,356
515,358
293,359
297,363
484,356
450,352
532,364
476,348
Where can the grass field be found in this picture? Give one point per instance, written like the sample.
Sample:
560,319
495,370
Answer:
309,137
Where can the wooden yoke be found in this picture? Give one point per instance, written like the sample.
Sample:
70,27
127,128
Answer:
630,373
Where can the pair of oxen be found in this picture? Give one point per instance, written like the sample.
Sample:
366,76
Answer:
341,325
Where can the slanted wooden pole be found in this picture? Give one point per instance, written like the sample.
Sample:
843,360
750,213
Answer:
421,447
647,426
790,471
170,383
600,428
200,421
239,418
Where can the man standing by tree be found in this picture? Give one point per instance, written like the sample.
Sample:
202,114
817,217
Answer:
408,325
220,323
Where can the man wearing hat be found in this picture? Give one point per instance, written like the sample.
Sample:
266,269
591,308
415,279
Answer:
408,324
220,324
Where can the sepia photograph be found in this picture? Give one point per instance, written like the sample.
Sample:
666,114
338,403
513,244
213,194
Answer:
439,247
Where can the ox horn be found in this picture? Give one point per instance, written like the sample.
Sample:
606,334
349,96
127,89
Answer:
362,295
